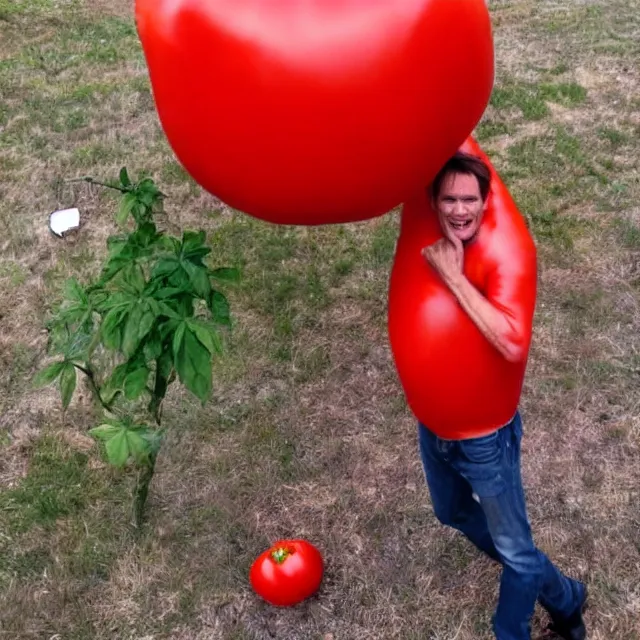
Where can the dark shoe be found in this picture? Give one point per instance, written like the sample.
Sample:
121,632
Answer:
573,627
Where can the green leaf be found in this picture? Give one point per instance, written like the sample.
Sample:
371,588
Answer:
165,267
196,254
74,313
147,320
124,178
96,339
131,334
98,296
154,305
199,278
67,383
154,439
168,311
111,327
148,193
78,345
175,307
167,329
180,278
115,264
207,335
193,244
133,278
168,292
170,243
153,346
146,198
178,338
48,374
193,364
139,447
123,441
146,235
104,431
127,203
219,307
185,306
118,300
147,184
119,374
114,383
226,274
135,383
118,448
73,291
116,243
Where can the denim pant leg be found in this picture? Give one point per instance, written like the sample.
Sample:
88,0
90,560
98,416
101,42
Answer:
451,495
492,467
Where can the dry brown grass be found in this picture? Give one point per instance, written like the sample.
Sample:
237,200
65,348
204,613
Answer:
307,433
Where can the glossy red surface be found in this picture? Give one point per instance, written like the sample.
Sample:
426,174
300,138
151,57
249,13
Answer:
316,111
292,580
455,381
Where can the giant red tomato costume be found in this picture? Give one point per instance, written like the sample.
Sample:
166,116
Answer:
316,111
327,111
456,383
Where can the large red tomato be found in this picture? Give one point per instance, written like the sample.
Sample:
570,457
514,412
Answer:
456,383
287,573
316,111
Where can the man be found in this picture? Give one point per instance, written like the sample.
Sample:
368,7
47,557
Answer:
475,482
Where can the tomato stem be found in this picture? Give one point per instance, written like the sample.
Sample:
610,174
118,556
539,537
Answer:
281,554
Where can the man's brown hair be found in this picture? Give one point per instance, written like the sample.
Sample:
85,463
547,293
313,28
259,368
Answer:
468,164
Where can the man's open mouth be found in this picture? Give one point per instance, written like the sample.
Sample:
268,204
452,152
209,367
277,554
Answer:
460,224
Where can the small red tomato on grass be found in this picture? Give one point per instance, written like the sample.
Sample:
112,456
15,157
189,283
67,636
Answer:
287,573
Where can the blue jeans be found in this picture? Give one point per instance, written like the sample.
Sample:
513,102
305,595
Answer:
476,487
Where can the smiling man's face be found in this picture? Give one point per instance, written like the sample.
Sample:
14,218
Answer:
460,206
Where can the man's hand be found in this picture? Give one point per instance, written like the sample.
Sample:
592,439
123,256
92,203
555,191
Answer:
446,256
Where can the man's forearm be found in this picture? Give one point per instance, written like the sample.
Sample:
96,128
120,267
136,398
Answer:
492,322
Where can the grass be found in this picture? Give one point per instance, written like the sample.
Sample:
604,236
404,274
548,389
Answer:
307,433
531,99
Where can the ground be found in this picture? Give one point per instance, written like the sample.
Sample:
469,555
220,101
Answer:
307,433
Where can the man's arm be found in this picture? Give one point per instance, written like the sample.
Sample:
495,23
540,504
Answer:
493,323
446,257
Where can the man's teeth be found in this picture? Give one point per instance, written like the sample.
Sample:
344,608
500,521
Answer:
460,225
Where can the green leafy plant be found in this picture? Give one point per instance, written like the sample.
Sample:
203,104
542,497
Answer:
153,315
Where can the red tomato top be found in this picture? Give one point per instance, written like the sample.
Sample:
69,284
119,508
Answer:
456,382
316,111
287,573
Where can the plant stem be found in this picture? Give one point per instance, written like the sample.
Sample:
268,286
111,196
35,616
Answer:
145,474
159,392
141,491
98,183
92,381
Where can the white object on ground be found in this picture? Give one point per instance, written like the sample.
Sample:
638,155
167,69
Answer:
61,222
